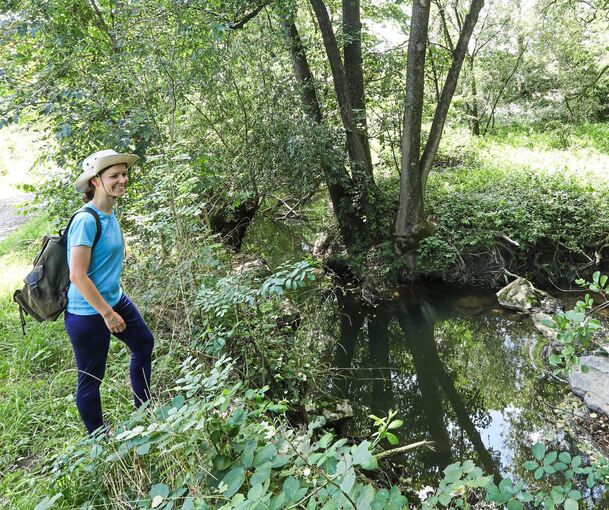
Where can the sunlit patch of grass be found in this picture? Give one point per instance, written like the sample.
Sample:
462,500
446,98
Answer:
21,149
575,162
549,148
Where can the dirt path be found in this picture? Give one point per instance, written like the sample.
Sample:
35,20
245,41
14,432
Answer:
10,207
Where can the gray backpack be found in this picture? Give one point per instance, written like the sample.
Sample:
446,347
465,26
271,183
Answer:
45,293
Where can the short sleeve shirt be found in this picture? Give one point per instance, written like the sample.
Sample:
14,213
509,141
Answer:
106,258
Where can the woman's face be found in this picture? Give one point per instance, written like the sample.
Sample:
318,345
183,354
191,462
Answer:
113,180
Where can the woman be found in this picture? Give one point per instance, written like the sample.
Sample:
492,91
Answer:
97,306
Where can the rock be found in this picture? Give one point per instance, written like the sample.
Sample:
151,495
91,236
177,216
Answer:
335,416
593,386
538,319
522,296
472,305
289,317
254,266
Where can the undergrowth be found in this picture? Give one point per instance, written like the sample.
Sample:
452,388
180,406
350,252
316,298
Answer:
539,225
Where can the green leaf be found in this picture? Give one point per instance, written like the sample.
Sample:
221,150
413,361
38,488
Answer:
188,504
234,480
585,369
159,489
362,455
571,504
565,457
514,504
255,493
221,462
452,473
392,438
47,502
538,473
264,455
143,449
395,424
262,474
291,487
445,498
325,441
530,465
539,451
348,480
550,458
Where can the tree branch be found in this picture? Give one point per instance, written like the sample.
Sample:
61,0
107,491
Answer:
503,86
404,449
435,133
248,17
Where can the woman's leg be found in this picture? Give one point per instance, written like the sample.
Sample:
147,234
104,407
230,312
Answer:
139,339
90,341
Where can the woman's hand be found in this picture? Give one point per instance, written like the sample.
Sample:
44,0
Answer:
114,322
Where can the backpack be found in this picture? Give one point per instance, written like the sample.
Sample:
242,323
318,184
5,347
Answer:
45,293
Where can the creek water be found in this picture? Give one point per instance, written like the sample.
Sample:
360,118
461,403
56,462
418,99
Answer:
458,370
455,366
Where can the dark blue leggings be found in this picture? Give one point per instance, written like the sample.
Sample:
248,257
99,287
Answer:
90,340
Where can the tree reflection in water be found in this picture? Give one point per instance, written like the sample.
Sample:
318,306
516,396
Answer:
423,355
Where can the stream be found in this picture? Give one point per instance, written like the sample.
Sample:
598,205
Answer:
457,369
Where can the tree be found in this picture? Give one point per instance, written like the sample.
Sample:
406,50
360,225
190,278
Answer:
410,224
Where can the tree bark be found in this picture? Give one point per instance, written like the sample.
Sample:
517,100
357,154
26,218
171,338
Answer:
474,121
410,215
301,68
411,225
352,50
354,230
362,174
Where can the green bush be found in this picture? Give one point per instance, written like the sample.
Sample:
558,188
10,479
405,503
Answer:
538,225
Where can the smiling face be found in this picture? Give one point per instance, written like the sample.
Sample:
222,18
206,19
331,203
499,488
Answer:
112,181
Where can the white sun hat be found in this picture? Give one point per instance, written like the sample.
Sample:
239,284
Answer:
97,162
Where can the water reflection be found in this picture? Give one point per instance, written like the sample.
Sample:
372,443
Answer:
454,368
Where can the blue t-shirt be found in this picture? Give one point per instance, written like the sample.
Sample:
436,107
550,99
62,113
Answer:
106,259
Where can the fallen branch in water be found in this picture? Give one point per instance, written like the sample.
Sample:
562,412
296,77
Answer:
404,449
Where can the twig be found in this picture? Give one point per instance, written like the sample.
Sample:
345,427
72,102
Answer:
404,449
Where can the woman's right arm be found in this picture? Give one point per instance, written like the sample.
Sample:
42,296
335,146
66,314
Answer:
80,258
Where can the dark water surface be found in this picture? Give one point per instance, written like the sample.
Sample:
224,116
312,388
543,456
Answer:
458,370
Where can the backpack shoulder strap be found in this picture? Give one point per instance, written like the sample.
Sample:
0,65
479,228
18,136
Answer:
97,223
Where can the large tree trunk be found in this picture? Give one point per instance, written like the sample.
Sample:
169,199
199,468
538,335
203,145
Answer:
302,71
360,170
352,49
410,214
411,225
343,193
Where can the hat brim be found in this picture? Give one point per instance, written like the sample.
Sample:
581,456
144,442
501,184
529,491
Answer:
82,183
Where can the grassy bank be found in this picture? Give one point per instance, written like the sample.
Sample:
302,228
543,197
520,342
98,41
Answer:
527,199
38,379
